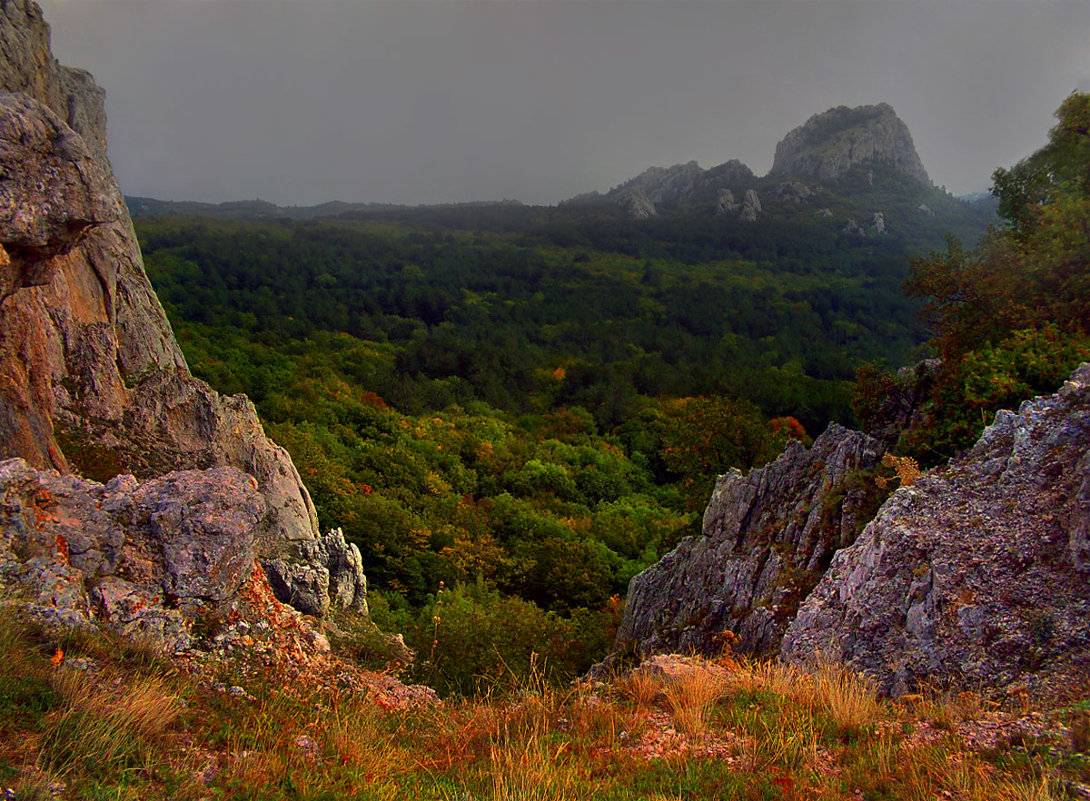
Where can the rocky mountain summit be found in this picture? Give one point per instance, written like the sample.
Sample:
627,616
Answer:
92,380
974,576
831,143
667,187
827,147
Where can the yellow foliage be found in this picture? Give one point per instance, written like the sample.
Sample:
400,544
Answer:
906,468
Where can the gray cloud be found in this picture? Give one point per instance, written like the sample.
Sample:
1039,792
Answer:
301,101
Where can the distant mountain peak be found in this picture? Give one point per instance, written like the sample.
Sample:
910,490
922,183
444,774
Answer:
831,143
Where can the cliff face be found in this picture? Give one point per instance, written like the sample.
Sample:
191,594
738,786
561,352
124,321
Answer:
768,537
92,380
977,575
830,144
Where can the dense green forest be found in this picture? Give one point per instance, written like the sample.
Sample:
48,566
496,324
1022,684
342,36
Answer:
512,411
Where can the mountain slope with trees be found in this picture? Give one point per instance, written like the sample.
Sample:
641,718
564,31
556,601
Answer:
525,406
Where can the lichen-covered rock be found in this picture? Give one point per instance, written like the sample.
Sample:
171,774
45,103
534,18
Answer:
52,191
831,143
977,575
148,558
767,539
93,379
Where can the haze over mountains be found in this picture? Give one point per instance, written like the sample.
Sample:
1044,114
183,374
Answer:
828,146
468,100
850,171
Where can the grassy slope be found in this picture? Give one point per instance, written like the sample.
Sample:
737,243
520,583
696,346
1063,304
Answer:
146,729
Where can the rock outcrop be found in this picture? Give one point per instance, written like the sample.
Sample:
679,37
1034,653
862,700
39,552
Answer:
635,202
751,206
767,538
148,559
792,192
92,380
724,203
668,187
977,575
831,143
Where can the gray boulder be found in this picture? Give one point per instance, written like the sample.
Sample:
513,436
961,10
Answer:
147,559
977,575
324,571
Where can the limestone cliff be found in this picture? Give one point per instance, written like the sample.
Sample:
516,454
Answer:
977,575
826,147
767,539
91,378
831,143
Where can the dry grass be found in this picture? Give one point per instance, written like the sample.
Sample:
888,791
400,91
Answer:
849,699
525,766
106,723
139,732
691,696
947,709
640,687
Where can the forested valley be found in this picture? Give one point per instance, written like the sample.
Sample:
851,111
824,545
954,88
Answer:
512,411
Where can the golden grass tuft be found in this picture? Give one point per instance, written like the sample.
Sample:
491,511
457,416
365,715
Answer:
850,699
691,696
948,709
641,688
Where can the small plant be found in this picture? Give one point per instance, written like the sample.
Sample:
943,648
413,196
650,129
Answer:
906,470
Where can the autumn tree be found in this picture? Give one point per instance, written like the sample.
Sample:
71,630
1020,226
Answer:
1011,317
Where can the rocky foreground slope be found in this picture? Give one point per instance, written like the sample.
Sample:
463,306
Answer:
975,576
91,378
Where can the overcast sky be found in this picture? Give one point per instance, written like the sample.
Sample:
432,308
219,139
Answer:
408,101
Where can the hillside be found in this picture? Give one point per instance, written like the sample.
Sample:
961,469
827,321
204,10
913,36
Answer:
506,426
